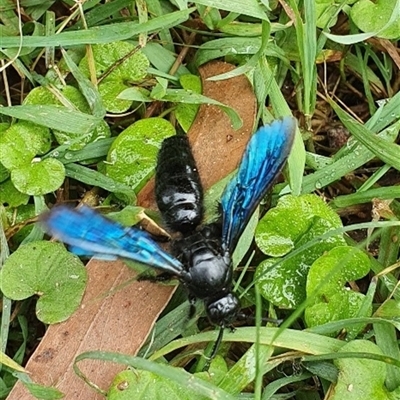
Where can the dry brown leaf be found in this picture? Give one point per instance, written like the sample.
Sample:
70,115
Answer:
116,314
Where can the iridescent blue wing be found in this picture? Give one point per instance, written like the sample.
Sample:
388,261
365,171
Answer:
90,234
263,159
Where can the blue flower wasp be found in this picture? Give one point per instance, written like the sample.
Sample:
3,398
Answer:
201,258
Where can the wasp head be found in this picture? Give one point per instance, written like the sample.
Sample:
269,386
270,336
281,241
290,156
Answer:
223,310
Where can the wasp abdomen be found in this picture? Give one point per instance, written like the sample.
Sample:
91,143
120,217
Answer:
179,193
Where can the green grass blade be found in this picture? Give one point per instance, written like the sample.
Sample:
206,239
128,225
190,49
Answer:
53,117
386,151
99,34
244,7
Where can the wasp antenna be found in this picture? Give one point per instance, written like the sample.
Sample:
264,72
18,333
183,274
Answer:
250,319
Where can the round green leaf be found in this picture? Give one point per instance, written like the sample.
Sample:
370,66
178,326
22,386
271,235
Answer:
74,98
128,385
329,298
119,75
109,92
21,142
294,222
10,196
360,378
372,16
78,141
133,154
48,270
39,178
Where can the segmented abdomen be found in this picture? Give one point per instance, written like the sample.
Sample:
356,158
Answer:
179,193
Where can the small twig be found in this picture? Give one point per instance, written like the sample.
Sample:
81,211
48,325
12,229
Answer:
121,60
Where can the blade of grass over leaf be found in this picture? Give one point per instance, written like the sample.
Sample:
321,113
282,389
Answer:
50,30
215,48
155,9
247,7
296,160
291,339
211,16
386,151
347,163
307,45
100,34
281,383
167,328
385,336
91,151
100,12
359,65
250,64
335,326
189,382
95,178
385,115
87,88
183,96
384,193
361,8
163,59
240,376
53,117
6,302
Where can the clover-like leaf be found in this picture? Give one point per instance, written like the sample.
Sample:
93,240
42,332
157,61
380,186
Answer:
118,66
39,177
145,384
132,156
11,196
71,97
372,16
21,142
48,270
330,299
360,378
294,222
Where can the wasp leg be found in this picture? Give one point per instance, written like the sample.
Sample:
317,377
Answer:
163,277
192,309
